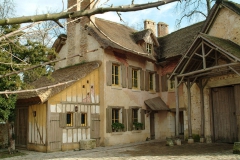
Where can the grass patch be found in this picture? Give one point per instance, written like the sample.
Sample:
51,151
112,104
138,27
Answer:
5,154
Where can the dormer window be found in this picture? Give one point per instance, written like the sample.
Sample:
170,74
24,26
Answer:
149,48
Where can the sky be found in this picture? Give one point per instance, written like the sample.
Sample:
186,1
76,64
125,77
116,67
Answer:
167,13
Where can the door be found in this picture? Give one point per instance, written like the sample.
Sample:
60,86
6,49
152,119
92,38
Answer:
224,114
55,133
152,126
21,127
95,128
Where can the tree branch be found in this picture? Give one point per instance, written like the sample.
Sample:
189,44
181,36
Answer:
90,12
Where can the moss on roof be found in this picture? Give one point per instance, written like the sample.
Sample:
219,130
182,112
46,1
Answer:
178,42
224,44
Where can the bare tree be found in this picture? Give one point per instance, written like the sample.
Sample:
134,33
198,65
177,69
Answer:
193,10
84,12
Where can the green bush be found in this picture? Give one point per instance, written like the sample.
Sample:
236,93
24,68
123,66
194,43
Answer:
196,137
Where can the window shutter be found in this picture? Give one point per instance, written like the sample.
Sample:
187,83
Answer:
147,80
62,120
142,80
109,73
157,82
77,119
143,118
130,123
124,119
124,82
164,83
109,120
130,77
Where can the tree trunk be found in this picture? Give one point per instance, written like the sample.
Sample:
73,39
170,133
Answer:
11,137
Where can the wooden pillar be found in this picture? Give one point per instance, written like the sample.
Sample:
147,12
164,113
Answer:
177,106
189,109
201,87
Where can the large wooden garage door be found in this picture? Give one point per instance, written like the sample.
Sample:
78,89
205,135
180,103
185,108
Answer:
224,114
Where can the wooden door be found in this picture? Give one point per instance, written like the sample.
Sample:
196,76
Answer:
21,127
55,133
224,117
152,126
95,128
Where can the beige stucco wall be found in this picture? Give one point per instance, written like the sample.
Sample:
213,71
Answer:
126,97
226,25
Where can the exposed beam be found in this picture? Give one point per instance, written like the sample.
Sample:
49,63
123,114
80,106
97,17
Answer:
207,69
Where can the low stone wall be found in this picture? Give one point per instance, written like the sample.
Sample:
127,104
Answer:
3,136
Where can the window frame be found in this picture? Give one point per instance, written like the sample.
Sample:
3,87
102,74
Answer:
114,75
114,119
85,119
149,48
71,119
135,80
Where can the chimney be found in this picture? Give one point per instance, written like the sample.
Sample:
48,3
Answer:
149,24
162,29
76,33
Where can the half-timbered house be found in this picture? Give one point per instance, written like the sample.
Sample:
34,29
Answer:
114,74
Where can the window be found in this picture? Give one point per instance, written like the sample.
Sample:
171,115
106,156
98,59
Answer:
135,115
136,118
167,84
73,120
115,115
69,119
83,119
151,82
115,74
149,48
135,78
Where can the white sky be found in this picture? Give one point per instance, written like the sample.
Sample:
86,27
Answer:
166,14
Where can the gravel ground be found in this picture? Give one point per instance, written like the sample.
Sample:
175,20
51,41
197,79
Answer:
142,151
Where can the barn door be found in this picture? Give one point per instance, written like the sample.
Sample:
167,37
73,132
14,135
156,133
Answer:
21,127
224,114
152,126
95,127
55,133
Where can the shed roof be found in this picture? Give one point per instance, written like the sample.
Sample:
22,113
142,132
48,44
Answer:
156,104
209,50
60,79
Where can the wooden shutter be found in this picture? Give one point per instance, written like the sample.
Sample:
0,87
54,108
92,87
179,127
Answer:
157,82
62,120
130,123
124,119
237,99
143,118
124,82
130,77
141,79
77,119
147,80
109,120
109,73
164,83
